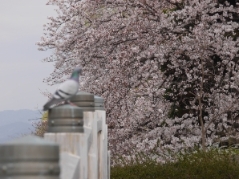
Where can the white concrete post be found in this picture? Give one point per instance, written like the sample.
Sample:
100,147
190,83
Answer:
89,147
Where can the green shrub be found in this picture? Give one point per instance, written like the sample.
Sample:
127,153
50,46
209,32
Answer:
213,164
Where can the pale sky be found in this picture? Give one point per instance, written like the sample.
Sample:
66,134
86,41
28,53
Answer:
21,67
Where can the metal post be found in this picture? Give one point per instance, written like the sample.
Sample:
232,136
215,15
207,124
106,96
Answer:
65,118
84,100
99,103
88,101
29,157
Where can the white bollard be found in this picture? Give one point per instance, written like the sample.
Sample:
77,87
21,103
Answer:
89,148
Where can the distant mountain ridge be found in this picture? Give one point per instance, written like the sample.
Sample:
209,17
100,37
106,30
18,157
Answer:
16,123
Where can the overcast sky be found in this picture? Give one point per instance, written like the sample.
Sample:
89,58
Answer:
21,67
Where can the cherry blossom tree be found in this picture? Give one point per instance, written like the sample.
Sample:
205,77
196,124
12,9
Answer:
167,69
106,38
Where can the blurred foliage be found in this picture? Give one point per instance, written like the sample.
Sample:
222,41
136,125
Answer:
212,164
41,126
45,116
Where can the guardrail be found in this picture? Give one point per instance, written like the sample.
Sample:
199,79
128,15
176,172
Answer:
79,130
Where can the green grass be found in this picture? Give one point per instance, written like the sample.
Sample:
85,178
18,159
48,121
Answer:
213,164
